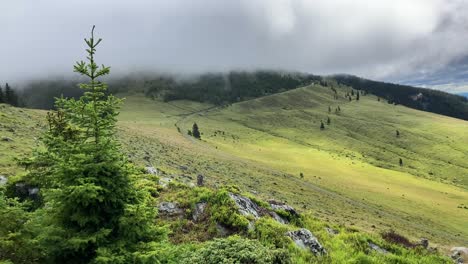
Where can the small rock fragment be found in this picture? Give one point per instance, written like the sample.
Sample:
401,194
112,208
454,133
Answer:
377,248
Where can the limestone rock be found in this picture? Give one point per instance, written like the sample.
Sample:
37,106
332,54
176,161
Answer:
152,170
276,205
246,206
164,181
3,180
459,254
199,211
305,239
170,209
278,218
377,248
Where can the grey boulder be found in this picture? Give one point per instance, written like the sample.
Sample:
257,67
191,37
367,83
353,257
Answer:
170,209
305,239
377,249
3,180
275,205
246,206
199,211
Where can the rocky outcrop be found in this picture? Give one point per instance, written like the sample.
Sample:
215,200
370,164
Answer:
199,211
152,170
170,209
246,206
275,205
377,249
278,218
459,254
305,239
164,181
3,180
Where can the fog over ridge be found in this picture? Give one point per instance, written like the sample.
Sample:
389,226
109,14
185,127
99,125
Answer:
385,40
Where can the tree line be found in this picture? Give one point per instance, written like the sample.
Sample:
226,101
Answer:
8,96
419,98
234,86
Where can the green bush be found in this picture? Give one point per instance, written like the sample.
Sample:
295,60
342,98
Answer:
270,232
224,211
237,250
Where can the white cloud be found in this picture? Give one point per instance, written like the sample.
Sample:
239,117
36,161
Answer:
372,38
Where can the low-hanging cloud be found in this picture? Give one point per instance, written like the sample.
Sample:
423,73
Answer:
377,39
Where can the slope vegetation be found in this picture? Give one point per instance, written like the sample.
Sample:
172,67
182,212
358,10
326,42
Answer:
350,170
356,156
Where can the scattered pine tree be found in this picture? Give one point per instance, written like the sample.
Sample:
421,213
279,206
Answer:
10,96
401,162
322,126
1,95
352,92
329,109
357,96
397,133
195,131
328,121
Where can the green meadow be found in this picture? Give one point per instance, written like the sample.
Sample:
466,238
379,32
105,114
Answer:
350,170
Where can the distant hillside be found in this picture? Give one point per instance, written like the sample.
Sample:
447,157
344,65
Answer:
464,94
235,86
419,98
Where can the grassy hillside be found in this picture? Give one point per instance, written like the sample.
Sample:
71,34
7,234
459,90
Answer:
351,174
19,129
356,156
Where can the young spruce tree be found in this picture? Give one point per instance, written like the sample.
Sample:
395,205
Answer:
195,131
90,198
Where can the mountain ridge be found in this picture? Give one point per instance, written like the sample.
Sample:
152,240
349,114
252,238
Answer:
227,88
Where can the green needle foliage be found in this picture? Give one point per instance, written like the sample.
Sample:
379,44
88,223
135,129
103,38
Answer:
90,199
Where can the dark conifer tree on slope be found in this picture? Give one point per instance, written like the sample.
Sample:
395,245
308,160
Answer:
1,95
10,96
322,126
195,131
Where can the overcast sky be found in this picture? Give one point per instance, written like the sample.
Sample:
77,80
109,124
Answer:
380,39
